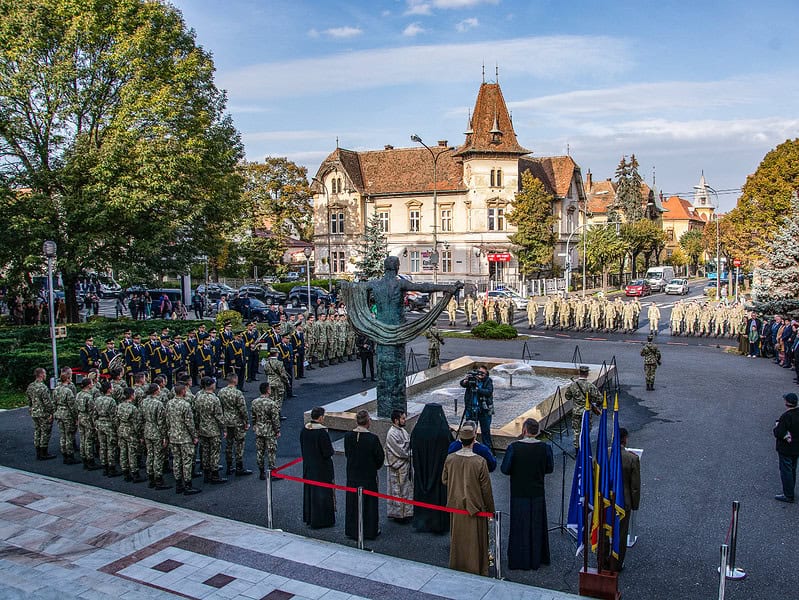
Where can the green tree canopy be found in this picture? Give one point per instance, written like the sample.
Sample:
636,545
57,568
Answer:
373,250
629,199
693,246
114,142
604,246
535,225
776,282
641,237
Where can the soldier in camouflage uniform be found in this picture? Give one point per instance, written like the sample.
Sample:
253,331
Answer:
155,436
266,424
66,415
310,341
139,388
277,377
129,433
105,415
434,346
339,336
452,309
651,356
118,386
321,335
182,439
40,406
211,424
349,335
468,309
84,403
576,393
237,422
480,311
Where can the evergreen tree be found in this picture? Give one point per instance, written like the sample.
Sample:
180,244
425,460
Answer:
535,225
776,288
373,250
629,200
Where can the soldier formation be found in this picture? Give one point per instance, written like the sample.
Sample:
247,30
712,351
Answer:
593,314
704,319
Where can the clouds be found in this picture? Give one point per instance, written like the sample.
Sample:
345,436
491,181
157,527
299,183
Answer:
425,7
467,24
344,32
577,56
413,30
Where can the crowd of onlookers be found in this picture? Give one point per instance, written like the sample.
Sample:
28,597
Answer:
776,338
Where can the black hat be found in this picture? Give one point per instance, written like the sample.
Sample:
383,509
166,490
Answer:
791,399
204,336
227,322
584,369
239,332
109,340
650,337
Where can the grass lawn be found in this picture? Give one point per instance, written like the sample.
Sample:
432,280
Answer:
12,399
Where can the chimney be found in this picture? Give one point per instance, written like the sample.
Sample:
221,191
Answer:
388,147
443,143
588,181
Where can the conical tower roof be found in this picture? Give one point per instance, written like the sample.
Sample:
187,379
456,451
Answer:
491,126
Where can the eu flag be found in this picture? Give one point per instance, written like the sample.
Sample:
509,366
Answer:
617,485
601,475
583,481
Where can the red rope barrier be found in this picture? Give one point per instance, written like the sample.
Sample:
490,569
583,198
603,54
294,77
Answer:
352,490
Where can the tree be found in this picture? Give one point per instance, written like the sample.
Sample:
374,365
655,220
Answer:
693,247
374,250
678,258
776,282
603,247
765,200
114,142
629,199
641,237
535,225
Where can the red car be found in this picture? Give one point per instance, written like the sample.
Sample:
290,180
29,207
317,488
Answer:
639,287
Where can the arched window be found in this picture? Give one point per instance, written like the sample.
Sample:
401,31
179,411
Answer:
499,177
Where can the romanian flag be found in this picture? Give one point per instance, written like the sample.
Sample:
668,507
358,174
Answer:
583,481
617,485
601,475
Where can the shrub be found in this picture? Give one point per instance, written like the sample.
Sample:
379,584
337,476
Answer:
491,330
228,315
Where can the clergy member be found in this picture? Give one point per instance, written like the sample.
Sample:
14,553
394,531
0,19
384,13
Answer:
398,464
429,442
468,488
526,462
318,503
364,458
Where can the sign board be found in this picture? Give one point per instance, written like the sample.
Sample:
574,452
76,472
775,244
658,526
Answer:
429,260
60,332
499,257
736,262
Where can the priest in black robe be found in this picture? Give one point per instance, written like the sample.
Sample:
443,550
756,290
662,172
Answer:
318,503
365,457
430,441
527,461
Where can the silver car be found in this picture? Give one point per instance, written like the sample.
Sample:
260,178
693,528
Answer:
678,286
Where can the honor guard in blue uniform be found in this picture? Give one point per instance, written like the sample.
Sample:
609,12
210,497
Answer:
107,355
149,353
251,337
234,360
191,349
273,337
285,352
204,358
219,354
298,342
163,359
89,355
135,360
180,355
126,341
226,338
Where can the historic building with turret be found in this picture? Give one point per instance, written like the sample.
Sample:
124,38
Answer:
443,208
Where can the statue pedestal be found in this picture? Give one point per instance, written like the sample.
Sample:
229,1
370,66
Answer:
390,380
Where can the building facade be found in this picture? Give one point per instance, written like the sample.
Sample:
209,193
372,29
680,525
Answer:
443,209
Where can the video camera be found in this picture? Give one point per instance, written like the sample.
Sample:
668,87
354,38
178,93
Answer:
471,377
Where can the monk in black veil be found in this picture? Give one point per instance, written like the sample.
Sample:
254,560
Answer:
430,440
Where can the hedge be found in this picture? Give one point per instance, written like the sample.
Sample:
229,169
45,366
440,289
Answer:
491,330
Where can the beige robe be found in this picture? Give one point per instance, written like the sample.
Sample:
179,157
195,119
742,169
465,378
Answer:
399,476
468,488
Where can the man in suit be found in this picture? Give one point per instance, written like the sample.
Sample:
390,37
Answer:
631,477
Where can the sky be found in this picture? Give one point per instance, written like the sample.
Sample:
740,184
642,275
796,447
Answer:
688,87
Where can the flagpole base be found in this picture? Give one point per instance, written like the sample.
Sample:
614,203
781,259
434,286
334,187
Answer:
599,584
631,539
733,573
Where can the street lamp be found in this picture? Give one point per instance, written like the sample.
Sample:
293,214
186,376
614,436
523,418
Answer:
569,258
434,255
49,248
718,245
329,233
307,252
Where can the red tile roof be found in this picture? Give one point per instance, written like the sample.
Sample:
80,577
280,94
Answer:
490,110
680,209
555,172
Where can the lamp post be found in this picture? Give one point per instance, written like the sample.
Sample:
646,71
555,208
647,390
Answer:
569,258
329,234
307,252
49,248
434,256
718,245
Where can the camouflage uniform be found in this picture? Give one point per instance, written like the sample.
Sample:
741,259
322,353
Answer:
41,409
117,389
651,356
278,379
310,342
349,336
549,313
129,434
105,414
182,433
208,413
266,424
139,391
532,311
434,347
84,403
234,413
468,308
155,434
576,393
66,414
321,335
452,309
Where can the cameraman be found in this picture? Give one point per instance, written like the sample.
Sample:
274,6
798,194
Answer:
479,401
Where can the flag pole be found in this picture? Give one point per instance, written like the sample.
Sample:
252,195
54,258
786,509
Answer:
586,527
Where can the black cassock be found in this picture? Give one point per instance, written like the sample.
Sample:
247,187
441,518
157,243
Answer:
318,503
528,541
364,458
430,441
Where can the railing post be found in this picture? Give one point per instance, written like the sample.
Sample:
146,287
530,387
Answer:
498,544
722,571
732,572
360,518
269,522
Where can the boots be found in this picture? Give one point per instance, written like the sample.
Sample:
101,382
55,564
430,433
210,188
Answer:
179,489
240,470
136,476
105,470
127,475
91,465
229,469
206,476
151,481
261,474
112,471
216,479
44,454
160,484
188,490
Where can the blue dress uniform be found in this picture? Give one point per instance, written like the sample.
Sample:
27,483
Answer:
225,341
286,353
180,355
251,337
298,342
149,351
234,360
205,360
134,359
219,355
106,356
162,362
89,356
191,349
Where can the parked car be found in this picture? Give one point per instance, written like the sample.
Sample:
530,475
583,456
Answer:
266,293
109,288
299,295
255,309
677,286
710,288
519,302
215,290
173,294
416,300
639,287
291,276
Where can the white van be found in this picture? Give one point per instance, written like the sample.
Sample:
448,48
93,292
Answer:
658,277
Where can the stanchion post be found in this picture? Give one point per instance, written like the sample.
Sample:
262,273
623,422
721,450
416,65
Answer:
269,522
722,571
732,572
498,544
360,518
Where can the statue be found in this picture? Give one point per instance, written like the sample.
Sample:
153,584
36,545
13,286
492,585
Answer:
388,327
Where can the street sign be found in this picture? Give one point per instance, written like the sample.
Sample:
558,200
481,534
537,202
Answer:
736,262
499,257
60,332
